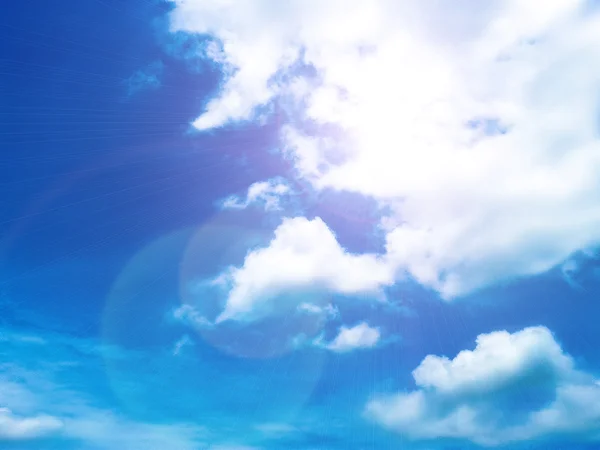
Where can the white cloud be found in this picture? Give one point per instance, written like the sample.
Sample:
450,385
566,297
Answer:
13,427
511,387
248,67
266,193
304,256
475,124
360,336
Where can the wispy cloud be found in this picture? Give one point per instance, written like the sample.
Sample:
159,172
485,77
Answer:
22,428
184,341
329,310
148,78
189,315
582,270
36,402
275,429
268,194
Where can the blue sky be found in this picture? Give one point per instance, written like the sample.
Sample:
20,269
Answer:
318,225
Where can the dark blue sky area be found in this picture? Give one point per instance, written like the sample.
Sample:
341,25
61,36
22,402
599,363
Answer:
89,172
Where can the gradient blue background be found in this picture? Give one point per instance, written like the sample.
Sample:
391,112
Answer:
103,184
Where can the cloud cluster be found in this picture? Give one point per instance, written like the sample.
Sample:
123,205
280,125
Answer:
510,388
472,124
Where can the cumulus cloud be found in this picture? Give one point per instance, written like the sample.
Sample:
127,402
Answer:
268,194
304,255
360,336
14,427
510,388
473,124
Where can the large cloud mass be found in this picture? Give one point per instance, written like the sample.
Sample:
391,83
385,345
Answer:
473,124
511,387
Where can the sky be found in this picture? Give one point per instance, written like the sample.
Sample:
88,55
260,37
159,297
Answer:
302,224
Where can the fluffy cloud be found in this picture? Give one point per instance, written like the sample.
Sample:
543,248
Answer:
511,387
360,336
13,427
266,193
473,124
303,256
